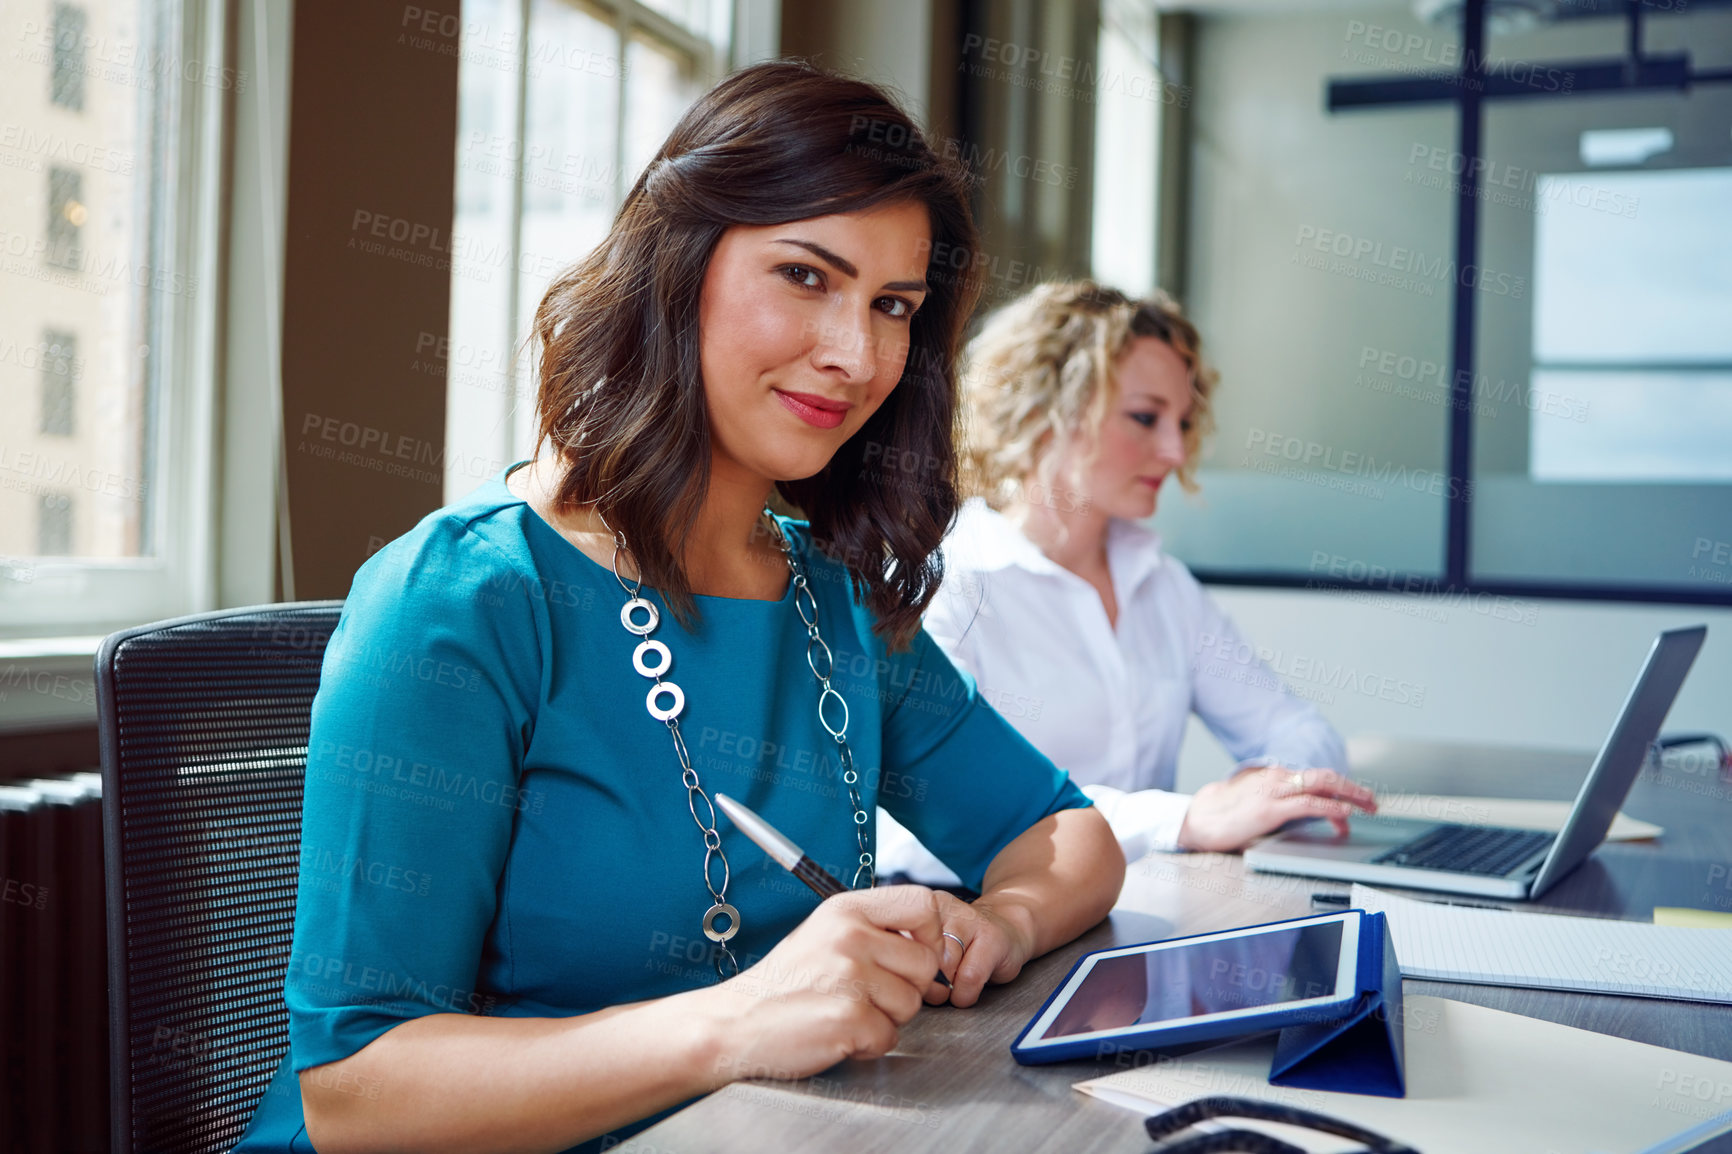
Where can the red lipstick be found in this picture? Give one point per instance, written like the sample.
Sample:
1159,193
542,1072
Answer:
820,412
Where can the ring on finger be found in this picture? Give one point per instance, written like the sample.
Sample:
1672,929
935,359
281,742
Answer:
1297,780
960,945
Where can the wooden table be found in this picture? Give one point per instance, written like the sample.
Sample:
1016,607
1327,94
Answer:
951,1085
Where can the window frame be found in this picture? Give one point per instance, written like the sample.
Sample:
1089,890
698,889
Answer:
1458,575
54,598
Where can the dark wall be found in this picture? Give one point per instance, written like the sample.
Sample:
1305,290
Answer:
372,131
39,753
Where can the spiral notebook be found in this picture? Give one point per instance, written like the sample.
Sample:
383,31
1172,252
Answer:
1550,952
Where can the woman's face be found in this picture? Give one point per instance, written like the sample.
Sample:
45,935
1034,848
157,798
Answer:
803,331
1141,436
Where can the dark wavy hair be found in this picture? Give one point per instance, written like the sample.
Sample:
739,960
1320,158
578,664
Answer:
621,395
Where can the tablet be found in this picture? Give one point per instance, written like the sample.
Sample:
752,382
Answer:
1218,985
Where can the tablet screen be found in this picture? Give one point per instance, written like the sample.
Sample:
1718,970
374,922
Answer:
1213,976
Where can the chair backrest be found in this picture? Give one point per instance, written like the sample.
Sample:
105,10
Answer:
203,723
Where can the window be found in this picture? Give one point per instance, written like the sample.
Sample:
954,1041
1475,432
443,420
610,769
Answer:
109,139
66,82
553,127
54,525
59,366
1127,146
66,216
1319,275
1579,450
1603,466
1633,323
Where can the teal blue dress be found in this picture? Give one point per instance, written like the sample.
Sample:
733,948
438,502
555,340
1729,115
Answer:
494,824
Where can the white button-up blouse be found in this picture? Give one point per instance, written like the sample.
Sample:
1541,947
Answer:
1109,703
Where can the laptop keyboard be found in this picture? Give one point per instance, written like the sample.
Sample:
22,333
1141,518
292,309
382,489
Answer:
1467,849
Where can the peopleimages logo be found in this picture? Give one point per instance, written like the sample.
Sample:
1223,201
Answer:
1314,678
52,146
1398,259
1314,455
1497,182
1389,370
1413,53
101,272
1369,578
1060,74
350,867
60,474
394,987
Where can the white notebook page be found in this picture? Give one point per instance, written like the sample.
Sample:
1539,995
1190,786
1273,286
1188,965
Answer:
1516,948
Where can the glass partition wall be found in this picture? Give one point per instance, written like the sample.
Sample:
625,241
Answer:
1471,299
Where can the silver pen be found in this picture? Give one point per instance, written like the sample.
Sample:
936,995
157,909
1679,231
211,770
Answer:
788,855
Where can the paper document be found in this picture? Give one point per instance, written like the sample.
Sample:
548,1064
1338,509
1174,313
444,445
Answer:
1479,1081
1550,952
1510,812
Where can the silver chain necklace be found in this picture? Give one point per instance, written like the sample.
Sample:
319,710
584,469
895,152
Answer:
640,618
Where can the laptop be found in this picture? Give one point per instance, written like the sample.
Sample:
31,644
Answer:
1488,860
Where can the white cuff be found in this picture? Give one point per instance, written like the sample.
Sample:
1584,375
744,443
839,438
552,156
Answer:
1143,821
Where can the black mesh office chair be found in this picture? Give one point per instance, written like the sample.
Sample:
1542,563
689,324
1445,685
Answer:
204,746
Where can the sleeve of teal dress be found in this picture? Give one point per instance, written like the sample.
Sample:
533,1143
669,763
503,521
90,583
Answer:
958,775
425,707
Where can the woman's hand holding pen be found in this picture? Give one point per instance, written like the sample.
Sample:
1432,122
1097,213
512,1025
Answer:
1229,815
839,986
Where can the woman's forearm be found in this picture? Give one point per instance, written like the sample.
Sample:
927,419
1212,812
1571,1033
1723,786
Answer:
451,1083
1061,876
455,1083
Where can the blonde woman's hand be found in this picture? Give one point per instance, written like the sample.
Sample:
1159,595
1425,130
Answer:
1229,815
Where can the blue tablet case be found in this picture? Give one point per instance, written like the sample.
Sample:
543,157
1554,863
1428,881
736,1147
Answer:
1363,1053
1355,1049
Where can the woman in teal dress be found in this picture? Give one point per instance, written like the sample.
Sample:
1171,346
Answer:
521,924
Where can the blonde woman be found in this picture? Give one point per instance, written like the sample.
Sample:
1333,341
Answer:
1093,642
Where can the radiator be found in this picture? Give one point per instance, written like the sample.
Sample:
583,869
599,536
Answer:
53,968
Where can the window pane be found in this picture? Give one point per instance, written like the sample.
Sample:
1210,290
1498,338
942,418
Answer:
1633,267
480,387
54,525
59,368
706,18
84,118
1645,425
659,87
66,215
66,84
1633,321
571,120
1320,271
573,111
537,187
1603,396
1127,147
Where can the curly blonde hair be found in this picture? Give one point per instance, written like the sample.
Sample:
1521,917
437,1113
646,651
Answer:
1033,378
